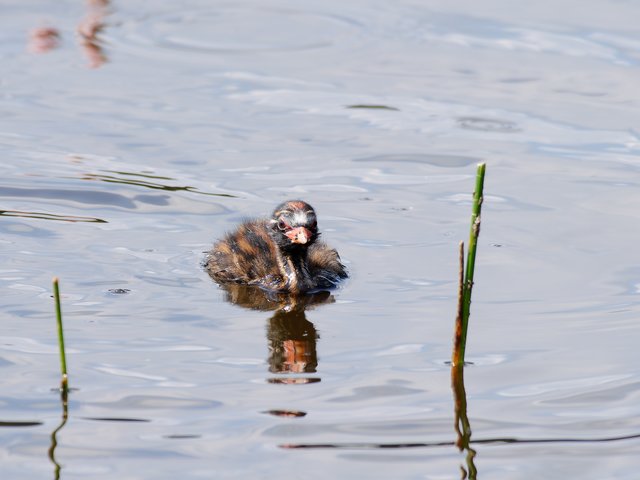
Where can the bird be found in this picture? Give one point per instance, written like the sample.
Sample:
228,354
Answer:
281,254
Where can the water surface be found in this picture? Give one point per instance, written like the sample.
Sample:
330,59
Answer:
128,148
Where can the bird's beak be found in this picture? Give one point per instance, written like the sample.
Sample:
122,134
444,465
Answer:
299,235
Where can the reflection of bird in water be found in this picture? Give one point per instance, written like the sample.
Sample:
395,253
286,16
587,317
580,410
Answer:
43,39
280,254
255,298
292,342
291,337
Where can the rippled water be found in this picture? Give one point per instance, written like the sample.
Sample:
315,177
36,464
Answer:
130,146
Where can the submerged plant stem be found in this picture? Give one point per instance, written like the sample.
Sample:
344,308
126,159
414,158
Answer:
64,399
462,425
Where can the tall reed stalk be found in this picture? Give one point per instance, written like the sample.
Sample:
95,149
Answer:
464,292
63,358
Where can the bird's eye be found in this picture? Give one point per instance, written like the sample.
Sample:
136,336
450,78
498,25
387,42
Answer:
282,225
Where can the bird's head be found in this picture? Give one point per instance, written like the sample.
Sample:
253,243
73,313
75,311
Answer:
294,225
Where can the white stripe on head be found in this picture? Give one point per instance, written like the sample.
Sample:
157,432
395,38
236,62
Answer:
299,218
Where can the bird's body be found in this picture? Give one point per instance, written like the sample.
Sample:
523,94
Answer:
280,254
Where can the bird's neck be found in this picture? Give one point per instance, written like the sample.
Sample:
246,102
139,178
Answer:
295,269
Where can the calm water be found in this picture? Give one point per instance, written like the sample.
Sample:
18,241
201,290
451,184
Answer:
127,149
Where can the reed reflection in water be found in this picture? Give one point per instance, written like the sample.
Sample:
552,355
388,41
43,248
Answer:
154,182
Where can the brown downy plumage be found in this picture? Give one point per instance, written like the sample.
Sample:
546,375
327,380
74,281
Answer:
280,254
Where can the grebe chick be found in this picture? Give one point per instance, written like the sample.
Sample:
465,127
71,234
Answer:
280,254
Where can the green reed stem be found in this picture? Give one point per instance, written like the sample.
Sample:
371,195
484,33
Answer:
471,262
63,357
